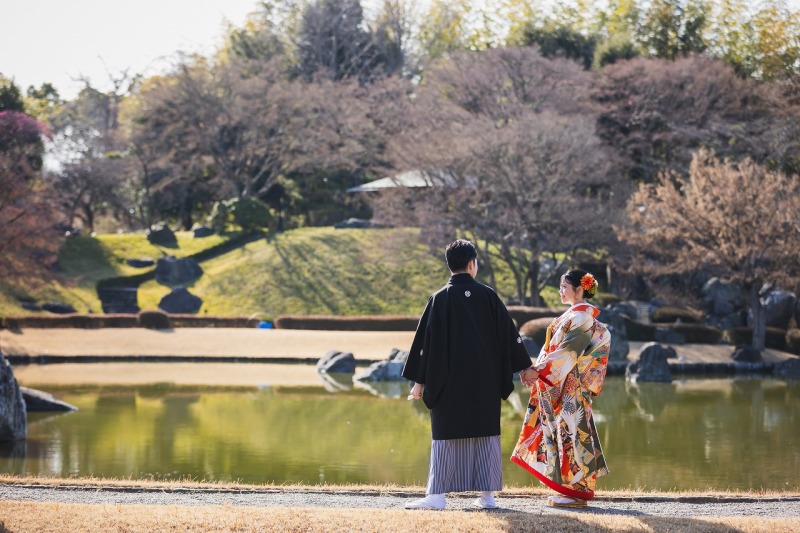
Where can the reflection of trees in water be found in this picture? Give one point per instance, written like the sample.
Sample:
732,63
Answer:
694,433
689,434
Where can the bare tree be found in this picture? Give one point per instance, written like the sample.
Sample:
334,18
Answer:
734,220
507,138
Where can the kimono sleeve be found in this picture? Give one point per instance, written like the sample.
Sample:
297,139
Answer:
514,355
417,361
556,364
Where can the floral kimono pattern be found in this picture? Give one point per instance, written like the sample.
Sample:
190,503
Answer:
559,443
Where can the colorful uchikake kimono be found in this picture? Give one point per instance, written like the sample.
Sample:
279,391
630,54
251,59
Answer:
559,443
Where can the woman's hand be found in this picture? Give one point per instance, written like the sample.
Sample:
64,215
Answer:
416,392
529,376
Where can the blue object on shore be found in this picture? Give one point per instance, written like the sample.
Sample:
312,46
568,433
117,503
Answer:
264,324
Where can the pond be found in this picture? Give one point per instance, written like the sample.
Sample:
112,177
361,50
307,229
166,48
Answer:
735,434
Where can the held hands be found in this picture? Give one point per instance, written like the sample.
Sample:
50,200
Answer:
529,376
416,392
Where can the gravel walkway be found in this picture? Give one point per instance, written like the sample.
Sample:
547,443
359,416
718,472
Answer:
683,506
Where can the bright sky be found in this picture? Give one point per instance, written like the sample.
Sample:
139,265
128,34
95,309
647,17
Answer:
58,40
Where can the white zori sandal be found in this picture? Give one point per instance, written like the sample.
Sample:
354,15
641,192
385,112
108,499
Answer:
563,501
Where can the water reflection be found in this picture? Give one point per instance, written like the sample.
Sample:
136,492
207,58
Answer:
727,434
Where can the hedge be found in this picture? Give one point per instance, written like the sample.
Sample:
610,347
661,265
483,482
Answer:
776,338
143,319
536,329
348,323
674,313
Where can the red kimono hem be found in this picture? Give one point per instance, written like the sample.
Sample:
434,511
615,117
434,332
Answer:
552,484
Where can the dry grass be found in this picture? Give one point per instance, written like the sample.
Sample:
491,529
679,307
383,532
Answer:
46,517
36,516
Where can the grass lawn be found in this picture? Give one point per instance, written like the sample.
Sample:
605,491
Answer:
322,271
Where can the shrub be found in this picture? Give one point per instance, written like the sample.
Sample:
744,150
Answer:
154,319
776,338
218,219
793,341
536,329
348,323
250,213
522,314
675,313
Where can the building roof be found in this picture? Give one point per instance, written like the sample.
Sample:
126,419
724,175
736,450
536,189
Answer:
410,178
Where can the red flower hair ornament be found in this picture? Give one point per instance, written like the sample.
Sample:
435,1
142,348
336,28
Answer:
589,284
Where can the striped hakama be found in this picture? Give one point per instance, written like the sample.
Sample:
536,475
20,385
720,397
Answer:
460,465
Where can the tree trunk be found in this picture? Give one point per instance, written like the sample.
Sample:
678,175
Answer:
533,281
759,318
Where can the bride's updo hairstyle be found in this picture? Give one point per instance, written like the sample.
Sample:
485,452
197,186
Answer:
577,277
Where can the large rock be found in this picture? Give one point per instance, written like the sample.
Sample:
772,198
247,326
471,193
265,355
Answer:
336,362
531,346
746,354
668,336
381,371
180,301
778,305
161,235
723,303
789,369
615,323
13,418
36,400
389,370
173,271
651,364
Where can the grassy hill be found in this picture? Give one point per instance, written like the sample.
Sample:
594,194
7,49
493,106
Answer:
303,271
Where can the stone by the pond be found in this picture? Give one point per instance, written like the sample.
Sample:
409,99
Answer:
746,354
531,346
398,356
651,364
337,362
668,336
615,323
778,305
36,400
789,369
381,371
336,381
173,271
13,418
180,301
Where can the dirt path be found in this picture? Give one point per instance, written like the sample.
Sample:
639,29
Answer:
637,506
205,343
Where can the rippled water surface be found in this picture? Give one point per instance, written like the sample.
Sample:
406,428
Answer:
694,434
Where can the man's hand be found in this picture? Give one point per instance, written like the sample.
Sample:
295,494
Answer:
416,392
529,376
